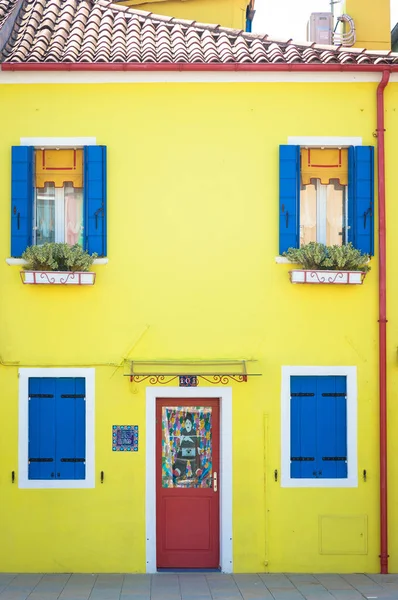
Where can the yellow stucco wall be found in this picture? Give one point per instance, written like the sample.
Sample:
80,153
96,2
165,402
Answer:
192,240
372,23
228,13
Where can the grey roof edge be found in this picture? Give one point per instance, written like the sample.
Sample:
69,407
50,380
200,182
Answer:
8,27
394,35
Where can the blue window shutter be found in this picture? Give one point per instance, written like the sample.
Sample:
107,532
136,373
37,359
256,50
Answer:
289,197
71,428
332,427
95,199
80,427
341,426
351,195
303,450
41,443
22,190
361,197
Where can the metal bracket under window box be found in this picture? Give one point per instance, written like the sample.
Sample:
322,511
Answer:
58,277
328,277
215,372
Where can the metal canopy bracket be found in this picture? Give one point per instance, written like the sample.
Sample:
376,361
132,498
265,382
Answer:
215,372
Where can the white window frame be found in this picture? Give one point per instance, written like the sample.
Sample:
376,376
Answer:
23,442
352,454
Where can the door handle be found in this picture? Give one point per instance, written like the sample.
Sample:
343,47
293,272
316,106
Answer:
215,485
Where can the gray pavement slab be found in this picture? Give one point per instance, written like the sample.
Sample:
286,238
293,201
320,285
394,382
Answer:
198,586
331,581
78,587
350,594
284,594
276,580
252,587
363,583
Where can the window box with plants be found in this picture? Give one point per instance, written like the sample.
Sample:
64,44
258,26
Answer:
328,264
57,264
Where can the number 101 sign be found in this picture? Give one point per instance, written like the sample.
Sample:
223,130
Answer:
188,381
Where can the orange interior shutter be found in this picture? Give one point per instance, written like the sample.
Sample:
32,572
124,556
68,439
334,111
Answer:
59,166
324,164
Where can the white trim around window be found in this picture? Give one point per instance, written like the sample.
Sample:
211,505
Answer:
324,141
58,142
23,480
352,459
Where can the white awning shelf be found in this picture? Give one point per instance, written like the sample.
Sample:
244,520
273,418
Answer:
190,372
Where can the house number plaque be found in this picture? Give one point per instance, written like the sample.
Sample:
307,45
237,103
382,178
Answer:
188,381
125,438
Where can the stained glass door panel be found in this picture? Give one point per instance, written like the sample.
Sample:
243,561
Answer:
187,483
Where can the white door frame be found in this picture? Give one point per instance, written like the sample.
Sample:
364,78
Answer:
224,394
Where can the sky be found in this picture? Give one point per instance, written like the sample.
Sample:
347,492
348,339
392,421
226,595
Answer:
288,18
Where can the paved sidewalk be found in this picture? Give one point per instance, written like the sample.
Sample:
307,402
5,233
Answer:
197,586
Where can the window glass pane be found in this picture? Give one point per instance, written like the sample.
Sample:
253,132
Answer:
308,214
335,214
186,447
59,214
323,213
45,214
73,214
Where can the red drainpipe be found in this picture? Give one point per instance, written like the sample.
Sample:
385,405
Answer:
295,67
382,324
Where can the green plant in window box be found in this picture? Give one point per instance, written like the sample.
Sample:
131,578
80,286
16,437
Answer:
318,257
57,257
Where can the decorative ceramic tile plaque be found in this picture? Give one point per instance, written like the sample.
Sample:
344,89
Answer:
125,438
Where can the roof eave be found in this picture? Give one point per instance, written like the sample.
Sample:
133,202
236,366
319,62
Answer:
227,67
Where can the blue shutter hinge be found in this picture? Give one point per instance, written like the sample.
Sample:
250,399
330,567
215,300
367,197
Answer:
97,212
18,217
276,475
286,216
365,214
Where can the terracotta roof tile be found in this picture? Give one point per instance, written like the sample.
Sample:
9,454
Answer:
89,31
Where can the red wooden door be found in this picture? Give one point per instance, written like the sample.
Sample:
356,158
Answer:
187,483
